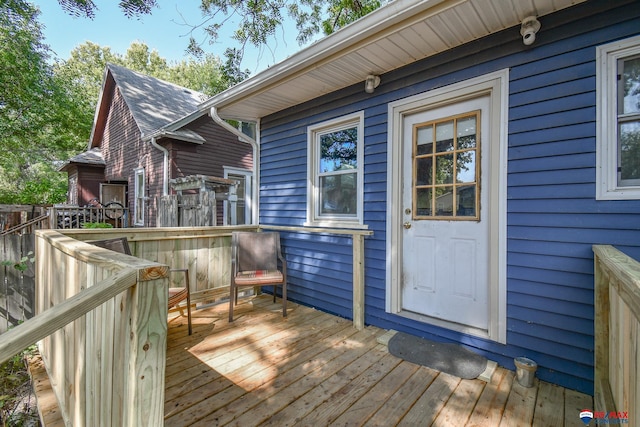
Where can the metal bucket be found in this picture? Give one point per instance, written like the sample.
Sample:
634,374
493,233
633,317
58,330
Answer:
525,371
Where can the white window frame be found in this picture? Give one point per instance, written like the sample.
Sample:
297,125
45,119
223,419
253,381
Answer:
314,217
607,58
248,203
139,199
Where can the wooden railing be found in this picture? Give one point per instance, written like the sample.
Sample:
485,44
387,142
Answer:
204,251
72,217
106,366
617,333
357,240
28,227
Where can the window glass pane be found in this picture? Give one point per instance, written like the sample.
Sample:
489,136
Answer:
630,152
338,194
139,203
466,196
424,171
423,202
338,150
240,189
240,204
466,166
444,201
467,133
446,176
444,169
631,82
444,136
424,140
140,184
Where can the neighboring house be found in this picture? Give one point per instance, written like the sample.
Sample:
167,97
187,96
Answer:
147,132
485,166
85,173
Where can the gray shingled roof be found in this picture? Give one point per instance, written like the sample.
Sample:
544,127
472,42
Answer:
91,157
154,103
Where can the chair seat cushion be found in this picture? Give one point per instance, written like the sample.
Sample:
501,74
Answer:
259,277
176,295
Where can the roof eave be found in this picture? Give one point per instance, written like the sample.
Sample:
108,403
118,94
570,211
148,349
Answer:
337,44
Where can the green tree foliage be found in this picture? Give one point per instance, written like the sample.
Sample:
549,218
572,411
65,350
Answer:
46,111
87,7
257,21
86,65
40,122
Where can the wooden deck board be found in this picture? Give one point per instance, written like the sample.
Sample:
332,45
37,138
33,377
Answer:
48,409
403,399
315,369
547,412
490,406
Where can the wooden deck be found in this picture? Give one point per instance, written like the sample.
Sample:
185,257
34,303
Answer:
314,369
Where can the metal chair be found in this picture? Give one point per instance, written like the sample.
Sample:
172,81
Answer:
254,263
176,295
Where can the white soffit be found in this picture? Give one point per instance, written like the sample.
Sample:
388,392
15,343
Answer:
393,36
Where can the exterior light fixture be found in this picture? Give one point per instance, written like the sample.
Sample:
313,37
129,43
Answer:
371,83
530,26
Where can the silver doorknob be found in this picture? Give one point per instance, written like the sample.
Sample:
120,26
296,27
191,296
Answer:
407,225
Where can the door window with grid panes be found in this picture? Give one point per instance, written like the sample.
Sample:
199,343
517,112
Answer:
446,164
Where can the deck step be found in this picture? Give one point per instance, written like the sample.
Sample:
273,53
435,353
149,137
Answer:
48,409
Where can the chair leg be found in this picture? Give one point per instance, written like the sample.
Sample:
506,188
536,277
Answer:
186,278
284,299
274,293
233,294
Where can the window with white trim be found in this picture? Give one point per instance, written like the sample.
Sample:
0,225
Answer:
244,190
618,137
139,197
335,191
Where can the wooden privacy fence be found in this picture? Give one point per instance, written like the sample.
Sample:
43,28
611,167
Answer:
617,333
17,287
106,366
195,203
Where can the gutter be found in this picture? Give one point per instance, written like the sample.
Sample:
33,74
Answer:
165,167
213,112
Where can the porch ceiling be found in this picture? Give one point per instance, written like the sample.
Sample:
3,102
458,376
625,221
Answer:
398,34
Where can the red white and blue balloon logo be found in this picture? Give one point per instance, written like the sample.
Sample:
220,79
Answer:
586,416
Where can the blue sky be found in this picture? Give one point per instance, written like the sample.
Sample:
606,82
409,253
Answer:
164,30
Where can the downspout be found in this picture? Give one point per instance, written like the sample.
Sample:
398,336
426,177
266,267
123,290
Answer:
256,158
165,167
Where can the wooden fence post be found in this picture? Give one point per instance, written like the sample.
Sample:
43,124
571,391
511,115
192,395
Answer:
148,348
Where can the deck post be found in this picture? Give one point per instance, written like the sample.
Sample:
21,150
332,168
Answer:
602,391
617,332
148,348
358,281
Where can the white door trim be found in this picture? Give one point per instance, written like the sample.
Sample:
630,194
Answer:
496,85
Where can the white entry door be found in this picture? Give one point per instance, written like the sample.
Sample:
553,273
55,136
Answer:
446,213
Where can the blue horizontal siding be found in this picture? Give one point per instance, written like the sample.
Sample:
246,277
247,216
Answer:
553,218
